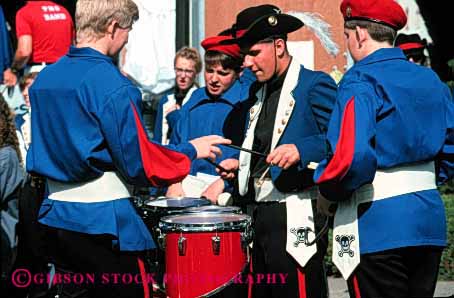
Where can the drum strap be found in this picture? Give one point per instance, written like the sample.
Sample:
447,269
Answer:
387,184
108,187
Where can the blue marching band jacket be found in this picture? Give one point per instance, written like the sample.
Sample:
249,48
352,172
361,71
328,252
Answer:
91,126
306,99
380,128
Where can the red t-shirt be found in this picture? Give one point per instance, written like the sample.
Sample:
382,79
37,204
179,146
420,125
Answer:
50,26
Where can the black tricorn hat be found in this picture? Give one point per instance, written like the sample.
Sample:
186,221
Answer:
257,23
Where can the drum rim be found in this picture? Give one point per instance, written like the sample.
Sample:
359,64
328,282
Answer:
201,201
231,226
215,209
221,287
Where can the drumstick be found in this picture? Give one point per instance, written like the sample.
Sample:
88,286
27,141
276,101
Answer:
216,165
312,165
246,150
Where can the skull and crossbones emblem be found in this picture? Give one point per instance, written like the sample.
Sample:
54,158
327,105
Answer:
345,241
302,235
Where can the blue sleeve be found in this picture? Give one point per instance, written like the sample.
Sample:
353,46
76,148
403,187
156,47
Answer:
445,159
322,96
139,160
352,160
5,48
157,134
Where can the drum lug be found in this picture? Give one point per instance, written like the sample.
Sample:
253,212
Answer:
182,245
244,241
161,239
216,243
246,238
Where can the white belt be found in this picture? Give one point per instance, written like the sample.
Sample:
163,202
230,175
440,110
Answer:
300,218
387,184
108,187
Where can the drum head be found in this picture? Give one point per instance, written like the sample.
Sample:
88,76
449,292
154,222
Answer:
176,203
214,208
205,222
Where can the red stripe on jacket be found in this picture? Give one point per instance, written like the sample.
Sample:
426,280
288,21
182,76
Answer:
162,166
339,165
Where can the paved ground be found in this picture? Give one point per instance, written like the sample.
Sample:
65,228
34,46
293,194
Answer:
338,288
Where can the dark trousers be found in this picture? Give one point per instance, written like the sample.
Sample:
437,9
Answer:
402,272
105,271
269,256
32,244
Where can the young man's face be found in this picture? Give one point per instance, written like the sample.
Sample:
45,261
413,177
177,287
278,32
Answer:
352,43
261,60
184,73
218,79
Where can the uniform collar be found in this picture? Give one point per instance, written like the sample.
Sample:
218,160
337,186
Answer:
231,95
87,52
382,55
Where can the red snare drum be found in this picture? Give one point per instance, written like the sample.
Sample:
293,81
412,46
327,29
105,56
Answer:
204,251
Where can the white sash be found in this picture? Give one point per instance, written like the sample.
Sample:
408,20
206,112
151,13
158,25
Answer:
300,225
108,187
245,157
300,218
387,184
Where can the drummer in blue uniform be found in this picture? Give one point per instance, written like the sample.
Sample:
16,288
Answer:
391,143
217,109
90,145
287,125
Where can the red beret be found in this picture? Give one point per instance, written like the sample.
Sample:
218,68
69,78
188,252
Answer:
387,12
214,44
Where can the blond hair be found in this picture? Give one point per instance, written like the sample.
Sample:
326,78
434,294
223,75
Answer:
190,54
94,16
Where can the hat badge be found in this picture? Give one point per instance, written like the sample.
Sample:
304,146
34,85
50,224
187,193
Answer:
272,20
348,11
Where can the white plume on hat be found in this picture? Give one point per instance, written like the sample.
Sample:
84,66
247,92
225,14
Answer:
315,23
